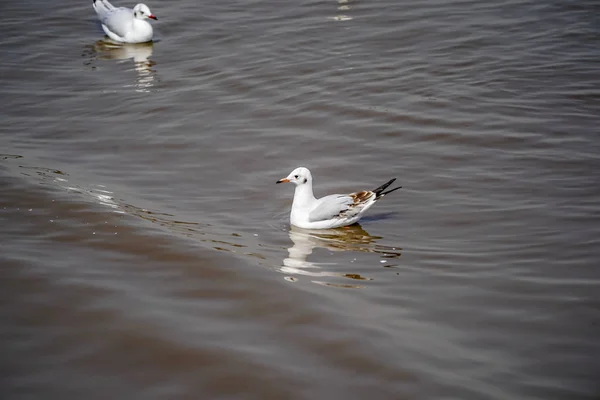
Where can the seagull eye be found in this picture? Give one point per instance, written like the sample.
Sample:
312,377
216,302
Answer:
296,176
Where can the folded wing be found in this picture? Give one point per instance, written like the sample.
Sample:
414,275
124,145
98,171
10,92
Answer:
117,20
340,206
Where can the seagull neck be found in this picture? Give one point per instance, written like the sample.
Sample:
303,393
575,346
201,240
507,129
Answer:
303,195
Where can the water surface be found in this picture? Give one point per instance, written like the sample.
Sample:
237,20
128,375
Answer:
146,251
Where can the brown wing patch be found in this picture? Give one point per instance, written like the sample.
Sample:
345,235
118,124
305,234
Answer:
361,197
358,199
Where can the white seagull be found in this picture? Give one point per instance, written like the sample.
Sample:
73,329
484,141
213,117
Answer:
331,211
124,24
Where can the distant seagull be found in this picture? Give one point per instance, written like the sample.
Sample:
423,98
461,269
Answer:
124,24
331,211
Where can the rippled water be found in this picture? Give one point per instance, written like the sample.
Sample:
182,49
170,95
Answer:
145,250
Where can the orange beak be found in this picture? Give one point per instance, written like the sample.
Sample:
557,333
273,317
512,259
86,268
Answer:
283,180
152,17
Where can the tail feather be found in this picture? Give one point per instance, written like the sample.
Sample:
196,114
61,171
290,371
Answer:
379,192
102,7
390,191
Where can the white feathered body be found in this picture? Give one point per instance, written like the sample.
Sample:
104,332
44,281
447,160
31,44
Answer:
328,212
120,25
333,211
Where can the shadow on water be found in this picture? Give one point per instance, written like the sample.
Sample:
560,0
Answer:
140,54
378,217
349,239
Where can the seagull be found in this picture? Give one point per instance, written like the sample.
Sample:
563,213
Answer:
125,25
333,211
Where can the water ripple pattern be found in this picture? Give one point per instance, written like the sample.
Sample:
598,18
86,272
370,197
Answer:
146,252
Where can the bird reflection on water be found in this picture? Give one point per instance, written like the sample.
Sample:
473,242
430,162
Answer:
140,53
352,238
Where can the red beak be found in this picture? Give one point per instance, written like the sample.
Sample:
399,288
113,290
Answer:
153,17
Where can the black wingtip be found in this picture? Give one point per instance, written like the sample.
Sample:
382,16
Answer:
381,188
379,192
390,191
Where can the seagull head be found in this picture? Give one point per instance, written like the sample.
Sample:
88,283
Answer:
298,177
141,11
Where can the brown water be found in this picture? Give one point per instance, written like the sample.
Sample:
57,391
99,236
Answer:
146,253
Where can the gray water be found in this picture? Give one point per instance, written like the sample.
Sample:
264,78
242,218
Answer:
146,253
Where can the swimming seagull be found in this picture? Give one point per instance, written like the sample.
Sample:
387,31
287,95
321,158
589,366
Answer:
331,211
124,24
